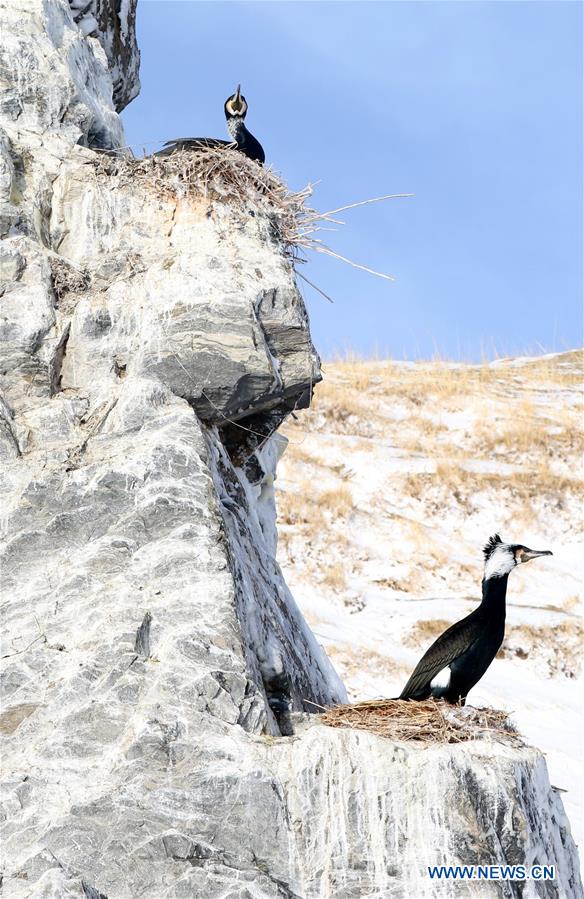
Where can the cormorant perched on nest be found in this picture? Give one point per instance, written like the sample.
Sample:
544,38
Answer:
457,660
235,112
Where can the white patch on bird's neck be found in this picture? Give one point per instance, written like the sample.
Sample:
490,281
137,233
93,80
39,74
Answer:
500,562
234,126
441,681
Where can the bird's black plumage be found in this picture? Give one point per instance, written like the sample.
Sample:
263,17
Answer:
491,545
244,141
457,660
468,648
191,143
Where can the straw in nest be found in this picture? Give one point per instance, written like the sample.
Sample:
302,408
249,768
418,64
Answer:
427,722
226,175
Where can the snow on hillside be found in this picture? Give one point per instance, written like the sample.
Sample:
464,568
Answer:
391,484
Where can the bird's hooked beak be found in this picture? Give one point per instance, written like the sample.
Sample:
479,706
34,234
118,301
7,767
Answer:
526,554
236,103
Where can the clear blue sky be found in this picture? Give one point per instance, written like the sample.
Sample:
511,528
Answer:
474,107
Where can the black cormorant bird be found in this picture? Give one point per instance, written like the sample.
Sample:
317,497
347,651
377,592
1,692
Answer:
457,660
235,113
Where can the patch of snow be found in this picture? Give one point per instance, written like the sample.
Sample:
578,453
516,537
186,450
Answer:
413,561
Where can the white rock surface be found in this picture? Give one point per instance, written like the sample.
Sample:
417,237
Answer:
387,811
152,652
113,24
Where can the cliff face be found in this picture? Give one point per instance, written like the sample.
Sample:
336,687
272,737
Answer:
151,343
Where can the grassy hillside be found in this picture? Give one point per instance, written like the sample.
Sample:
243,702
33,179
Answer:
391,484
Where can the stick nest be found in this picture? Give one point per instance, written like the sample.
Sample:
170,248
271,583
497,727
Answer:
429,721
67,278
224,175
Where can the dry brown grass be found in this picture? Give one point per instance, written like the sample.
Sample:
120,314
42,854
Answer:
424,545
391,583
345,410
297,453
426,385
352,397
517,418
349,662
418,385
524,416
426,631
464,486
306,507
529,431
298,507
334,576
443,379
338,501
501,436
426,722
422,435
566,371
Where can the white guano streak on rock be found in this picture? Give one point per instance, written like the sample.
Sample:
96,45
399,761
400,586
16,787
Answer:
388,811
277,635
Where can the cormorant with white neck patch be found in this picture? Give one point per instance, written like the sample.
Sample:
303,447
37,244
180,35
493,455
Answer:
457,660
235,113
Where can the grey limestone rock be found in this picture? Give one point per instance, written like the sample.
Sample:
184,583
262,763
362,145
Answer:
113,24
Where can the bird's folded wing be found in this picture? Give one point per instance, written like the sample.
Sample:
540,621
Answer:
191,143
448,647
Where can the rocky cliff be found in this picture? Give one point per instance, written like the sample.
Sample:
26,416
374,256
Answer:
154,661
